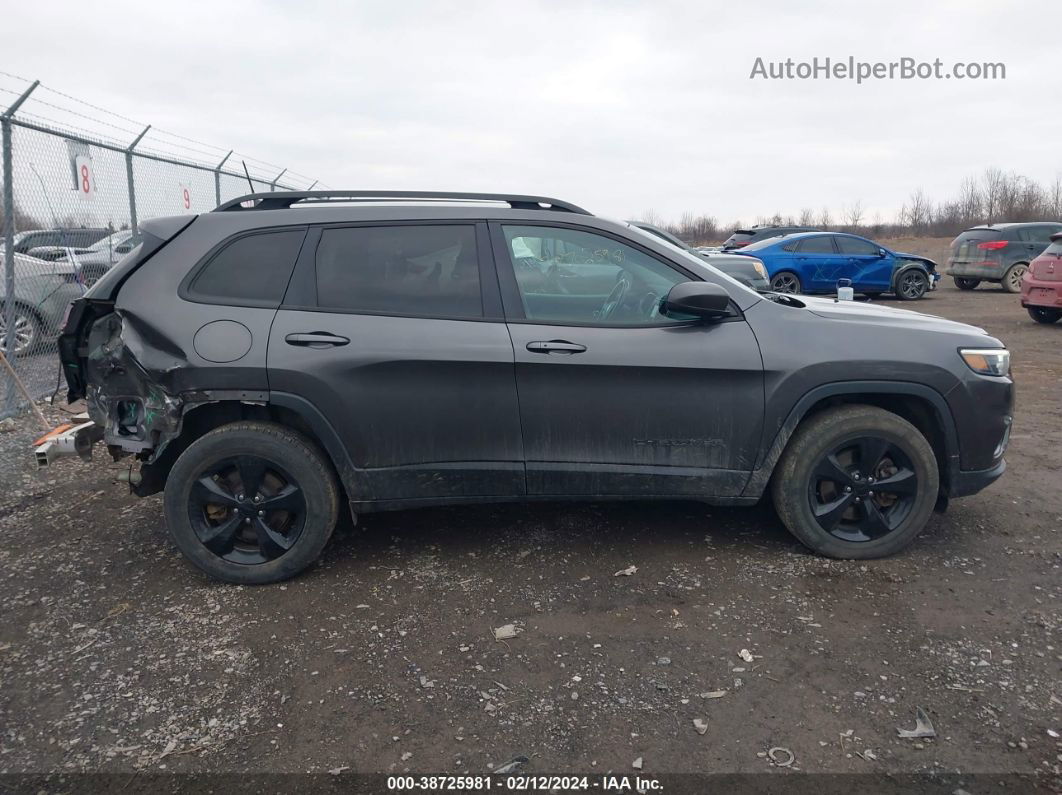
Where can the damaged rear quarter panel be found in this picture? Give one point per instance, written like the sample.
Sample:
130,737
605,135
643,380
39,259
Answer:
143,371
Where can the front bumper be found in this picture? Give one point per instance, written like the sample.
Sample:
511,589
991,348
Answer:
963,483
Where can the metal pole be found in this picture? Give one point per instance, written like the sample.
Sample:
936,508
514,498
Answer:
273,184
9,234
314,183
129,178
217,179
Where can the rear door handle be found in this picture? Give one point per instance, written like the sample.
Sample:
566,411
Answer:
556,346
315,339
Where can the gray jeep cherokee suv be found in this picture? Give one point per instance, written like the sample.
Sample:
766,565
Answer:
266,363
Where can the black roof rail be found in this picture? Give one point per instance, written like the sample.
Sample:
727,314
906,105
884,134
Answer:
282,200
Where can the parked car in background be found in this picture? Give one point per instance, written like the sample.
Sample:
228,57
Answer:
1041,287
74,237
747,270
998,253
43,291
95,260
812,262
754,234
267,365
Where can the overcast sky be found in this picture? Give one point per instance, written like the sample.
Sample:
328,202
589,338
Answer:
620,107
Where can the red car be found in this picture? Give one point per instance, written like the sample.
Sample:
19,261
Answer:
1041,287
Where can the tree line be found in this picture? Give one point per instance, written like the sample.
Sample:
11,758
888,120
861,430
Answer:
993,197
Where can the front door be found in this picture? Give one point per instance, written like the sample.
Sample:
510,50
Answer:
615,398
821,264
870,269
395,334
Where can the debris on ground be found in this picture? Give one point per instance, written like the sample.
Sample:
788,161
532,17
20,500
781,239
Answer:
700,725
627,572
745,655
780,757
335,771
637,763
505,632
923,727
714,694
511,766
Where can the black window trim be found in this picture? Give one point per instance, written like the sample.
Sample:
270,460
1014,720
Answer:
829,236
510,290
301,295
186,293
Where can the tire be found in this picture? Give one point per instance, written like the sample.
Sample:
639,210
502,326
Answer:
29,331
1043,314
208,500
849,433
786,282
964,283
912,284
1012,278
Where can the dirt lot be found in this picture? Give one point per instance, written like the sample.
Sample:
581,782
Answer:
116,656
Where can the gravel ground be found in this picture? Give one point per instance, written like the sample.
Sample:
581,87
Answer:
117,657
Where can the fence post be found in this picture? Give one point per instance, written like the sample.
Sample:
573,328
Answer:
9,238
129,176
273,184
217,179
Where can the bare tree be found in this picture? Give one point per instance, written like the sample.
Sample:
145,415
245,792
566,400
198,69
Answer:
807,217
824,218
854,214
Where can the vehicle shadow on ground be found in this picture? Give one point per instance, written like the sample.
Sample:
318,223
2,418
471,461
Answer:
624,529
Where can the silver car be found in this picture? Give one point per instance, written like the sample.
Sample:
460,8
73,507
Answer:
43,291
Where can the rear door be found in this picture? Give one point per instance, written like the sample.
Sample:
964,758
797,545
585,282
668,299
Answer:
615,399
820,264
395,333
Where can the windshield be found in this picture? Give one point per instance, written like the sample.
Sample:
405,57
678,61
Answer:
694,261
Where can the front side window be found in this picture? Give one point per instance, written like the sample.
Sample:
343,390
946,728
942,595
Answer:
816,245
429,271
254,268
856,247
571,276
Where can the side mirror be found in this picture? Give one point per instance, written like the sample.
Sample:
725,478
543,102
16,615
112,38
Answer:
701,299
882,252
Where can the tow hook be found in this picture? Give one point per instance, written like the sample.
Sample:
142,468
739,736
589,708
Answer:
67,440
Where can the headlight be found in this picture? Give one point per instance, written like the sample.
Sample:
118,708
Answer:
758,267
987,361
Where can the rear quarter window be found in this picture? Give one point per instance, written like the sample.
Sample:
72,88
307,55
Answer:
253,269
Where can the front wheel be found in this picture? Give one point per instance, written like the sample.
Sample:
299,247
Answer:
251,502
856,482
786,282
1012,278
27,329
964,283
1043,314
912,285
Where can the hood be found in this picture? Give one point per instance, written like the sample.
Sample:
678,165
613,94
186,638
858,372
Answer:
885,315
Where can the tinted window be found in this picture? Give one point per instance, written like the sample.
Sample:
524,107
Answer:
570,276
1037,234
253,268
816,245
854,246
431,271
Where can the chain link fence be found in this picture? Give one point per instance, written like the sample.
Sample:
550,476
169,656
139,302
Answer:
76,182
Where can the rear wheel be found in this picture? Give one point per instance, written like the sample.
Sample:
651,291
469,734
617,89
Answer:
1012,278
28,329
856,482
786,282
964,283
251,502
912,284
1042,314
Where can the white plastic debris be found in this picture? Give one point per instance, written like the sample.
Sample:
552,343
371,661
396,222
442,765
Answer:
637,763
511,766
627,572
700,725
714,694
781,757
923,727
745,655
505,632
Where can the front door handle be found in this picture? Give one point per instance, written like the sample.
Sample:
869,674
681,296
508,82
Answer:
315,339
556,346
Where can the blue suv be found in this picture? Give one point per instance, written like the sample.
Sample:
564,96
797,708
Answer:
812,262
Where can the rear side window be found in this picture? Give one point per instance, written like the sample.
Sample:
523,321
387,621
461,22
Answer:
252,269
428,271
816,245
855,246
